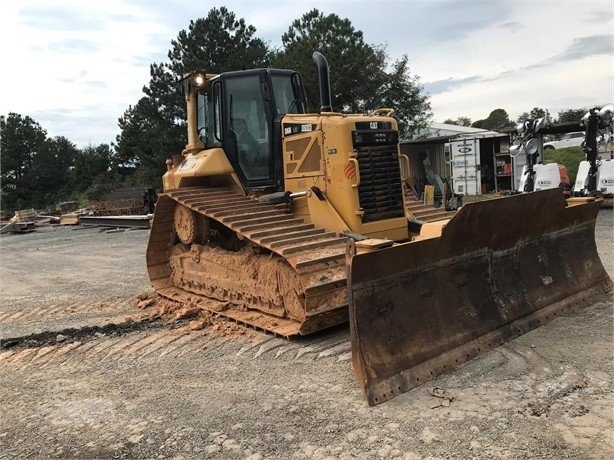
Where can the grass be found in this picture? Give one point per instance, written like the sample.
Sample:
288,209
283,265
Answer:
570,157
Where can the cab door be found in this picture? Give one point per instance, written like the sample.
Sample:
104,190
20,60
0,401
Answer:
247,137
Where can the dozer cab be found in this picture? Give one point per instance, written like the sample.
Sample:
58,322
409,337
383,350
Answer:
294,222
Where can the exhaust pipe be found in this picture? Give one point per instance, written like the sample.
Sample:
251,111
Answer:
323,73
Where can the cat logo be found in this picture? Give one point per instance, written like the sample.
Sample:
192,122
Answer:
373,125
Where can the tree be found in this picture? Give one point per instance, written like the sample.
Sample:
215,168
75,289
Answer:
218,43
48,180
571,115
535,114
146,141
21,137
357,68
92,164
154,128
359,80
497,120
404,94
460,121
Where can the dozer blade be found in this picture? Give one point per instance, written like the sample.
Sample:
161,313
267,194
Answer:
499,269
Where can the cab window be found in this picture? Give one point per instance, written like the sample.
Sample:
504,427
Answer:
286,100
208,106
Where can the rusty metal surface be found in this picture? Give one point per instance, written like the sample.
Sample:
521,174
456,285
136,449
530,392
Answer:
295,285
499,269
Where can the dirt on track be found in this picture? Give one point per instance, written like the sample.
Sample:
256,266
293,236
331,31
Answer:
86,373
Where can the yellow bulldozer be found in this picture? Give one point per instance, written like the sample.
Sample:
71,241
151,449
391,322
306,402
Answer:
295,222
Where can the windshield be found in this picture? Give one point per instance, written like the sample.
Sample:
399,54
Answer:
286,100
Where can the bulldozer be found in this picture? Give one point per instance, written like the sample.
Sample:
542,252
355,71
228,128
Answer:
294,222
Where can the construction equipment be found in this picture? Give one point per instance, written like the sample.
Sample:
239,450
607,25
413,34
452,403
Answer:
286,218
596,174
537,176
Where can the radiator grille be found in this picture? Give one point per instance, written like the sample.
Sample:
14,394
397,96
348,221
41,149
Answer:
380,191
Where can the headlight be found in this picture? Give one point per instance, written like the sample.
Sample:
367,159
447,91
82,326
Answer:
531,146
199,80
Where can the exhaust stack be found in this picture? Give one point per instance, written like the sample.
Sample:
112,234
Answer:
324,76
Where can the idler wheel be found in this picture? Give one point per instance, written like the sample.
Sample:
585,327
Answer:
185,224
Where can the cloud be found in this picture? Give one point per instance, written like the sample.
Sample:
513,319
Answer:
76,124
96,84
59,18
599,17
511,26
466,51
456,20
146,60
441,86
131,18
580,48
586,46
71,45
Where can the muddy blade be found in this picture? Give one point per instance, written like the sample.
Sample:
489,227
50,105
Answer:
499,269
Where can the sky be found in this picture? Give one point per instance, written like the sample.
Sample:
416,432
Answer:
76,66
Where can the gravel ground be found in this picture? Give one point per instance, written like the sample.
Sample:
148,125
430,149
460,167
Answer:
81,382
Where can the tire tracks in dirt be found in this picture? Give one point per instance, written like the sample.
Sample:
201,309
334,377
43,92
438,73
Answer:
155,340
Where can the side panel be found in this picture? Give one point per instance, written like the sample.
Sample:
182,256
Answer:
605,182
547,176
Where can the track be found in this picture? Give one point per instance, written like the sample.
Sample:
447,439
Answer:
290,280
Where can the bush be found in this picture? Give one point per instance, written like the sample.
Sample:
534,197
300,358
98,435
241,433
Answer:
570,157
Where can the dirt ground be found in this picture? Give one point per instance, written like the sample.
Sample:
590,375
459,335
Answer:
85,373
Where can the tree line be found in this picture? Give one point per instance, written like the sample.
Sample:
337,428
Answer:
499,119
363,78
38,171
